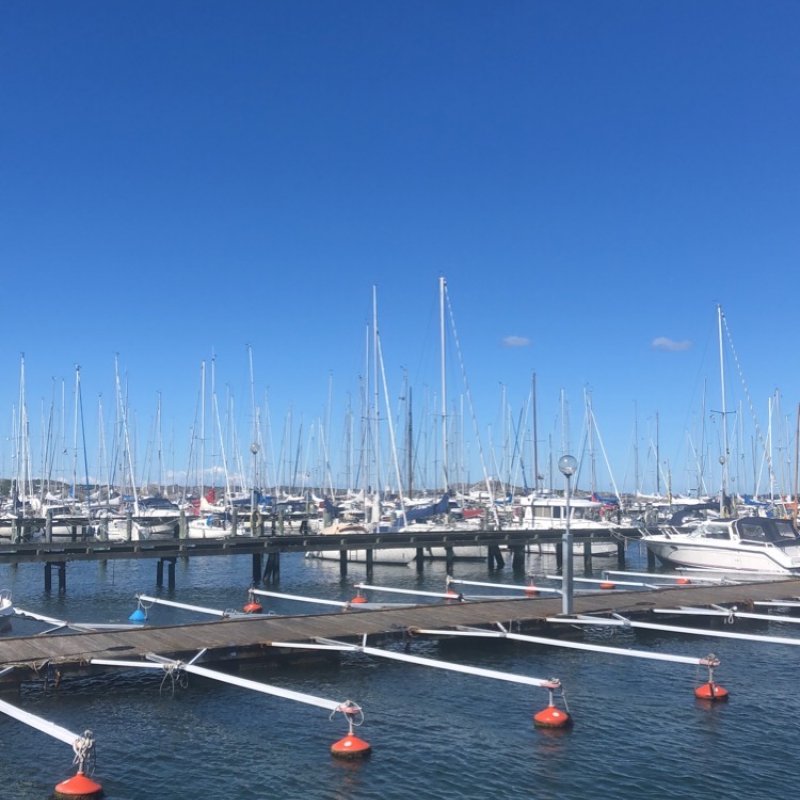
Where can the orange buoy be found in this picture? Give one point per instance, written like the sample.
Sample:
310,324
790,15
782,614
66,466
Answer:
682,581
359,598
350,747
608,585
531,591
552,717
78,787
252,607
711,691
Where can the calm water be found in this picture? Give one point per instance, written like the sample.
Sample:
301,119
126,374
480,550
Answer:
638,733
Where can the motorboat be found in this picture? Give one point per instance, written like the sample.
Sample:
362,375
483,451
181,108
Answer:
548,514
744,544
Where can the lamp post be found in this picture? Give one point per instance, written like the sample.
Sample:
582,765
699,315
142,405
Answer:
254,491
567,465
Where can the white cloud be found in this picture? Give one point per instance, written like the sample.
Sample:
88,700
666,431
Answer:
670,345
516,341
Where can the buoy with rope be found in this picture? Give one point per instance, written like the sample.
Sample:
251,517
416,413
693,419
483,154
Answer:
450,592
80,786
552,716
710,690
252,606
351,747
359,598
140,615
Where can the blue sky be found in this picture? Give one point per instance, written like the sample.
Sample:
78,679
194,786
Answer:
189,179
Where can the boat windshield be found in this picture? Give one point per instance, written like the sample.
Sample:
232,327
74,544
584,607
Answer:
763,529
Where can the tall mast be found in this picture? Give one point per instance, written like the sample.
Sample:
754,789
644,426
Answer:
796,466
442,290
535,438
123,413
202,475
410,443
658,458
724,456
75,434
376,391
635,448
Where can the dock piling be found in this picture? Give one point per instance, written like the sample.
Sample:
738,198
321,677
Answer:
496,560
272,572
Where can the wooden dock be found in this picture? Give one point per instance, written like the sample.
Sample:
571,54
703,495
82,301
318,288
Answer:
242,639
58,552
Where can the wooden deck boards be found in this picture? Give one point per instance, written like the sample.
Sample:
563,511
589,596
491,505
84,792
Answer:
74,650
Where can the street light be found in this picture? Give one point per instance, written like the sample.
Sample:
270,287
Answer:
567,465
253,493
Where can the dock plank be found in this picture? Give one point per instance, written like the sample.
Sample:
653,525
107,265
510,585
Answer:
256,633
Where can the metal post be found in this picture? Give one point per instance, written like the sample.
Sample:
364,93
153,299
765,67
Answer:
567,465
566,547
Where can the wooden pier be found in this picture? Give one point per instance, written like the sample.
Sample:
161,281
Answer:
238,640
500,544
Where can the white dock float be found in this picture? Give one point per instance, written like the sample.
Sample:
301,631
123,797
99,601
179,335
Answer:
41,724
327,644
348,747
663,576
343,604
159,662
596,648
214,612
778,603
60,624
527,588
729,614
623,622
600,581
415,592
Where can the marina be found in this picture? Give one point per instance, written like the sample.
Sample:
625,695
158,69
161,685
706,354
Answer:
434,625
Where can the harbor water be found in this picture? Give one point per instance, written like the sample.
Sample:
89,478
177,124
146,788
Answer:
638,731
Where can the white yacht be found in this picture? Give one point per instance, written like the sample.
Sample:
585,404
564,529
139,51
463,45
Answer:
744,544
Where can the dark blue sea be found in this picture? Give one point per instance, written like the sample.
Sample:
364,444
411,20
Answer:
638,731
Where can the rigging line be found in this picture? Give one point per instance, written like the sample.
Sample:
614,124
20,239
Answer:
759,434
605,455
392,439
471,408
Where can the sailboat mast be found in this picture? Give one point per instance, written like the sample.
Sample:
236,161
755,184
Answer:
635,448
410,444
75,434
724,457
535,438
442,289
796,466
376,391
658,457
202,476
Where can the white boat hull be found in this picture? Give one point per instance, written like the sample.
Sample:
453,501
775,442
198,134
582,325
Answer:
708,555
